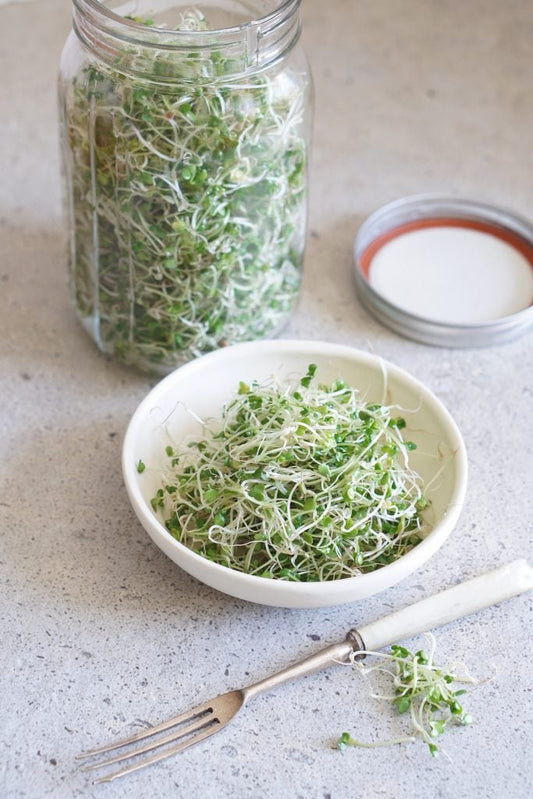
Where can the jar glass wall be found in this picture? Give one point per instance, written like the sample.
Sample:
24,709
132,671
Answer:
185,137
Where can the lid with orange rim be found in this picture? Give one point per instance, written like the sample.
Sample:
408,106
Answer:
447,271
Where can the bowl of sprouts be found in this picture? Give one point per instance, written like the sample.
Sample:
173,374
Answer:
295,473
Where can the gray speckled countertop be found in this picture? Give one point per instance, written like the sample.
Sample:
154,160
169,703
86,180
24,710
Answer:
100,632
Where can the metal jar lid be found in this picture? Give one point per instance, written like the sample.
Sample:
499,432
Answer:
447,271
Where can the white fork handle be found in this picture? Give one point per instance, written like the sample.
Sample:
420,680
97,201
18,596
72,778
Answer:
461,600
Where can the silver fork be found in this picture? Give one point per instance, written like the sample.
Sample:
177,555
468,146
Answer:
208,718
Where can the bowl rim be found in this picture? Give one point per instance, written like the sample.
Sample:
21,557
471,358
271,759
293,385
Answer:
395,571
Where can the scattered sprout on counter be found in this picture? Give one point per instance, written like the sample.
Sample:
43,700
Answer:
425,693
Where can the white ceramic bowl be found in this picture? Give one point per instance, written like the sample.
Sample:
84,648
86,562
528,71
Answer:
205,384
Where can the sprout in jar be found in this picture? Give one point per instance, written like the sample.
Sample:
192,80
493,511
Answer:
187,200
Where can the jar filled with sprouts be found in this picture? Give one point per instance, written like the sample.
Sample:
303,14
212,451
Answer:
185,136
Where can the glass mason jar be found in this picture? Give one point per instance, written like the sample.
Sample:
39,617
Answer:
185,137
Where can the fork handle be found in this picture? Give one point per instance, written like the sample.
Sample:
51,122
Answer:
507,581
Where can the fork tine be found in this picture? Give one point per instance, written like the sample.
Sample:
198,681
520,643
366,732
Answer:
143,734
205,719
159,755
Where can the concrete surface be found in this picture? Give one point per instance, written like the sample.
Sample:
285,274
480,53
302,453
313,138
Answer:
100,633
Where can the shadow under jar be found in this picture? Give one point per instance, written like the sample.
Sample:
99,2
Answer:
185,137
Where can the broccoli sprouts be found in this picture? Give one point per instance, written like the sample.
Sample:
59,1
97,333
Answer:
187,197
423,691
296,482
